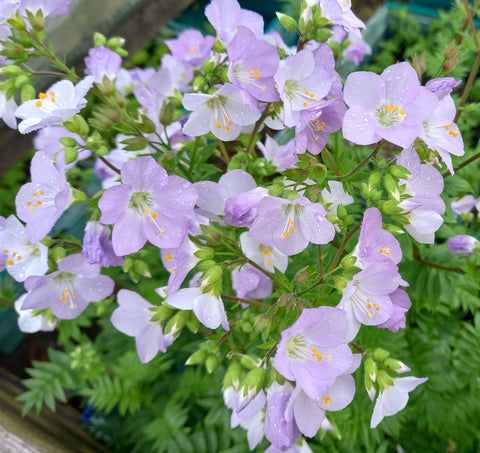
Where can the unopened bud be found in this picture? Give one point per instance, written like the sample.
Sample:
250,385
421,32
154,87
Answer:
205,253
212,275
199,83
391,207
11,70
348,261
71,154
341,212
394,229
301,277
384,380
99,39
211,363
289,23
27,93
209,65
196,357
380,354
396,365
115,43
254,382
166,114
262,322
22,80
391,184
370,369
160,313
399,172
374,179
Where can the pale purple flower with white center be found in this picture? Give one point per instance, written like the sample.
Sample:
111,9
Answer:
400,305
394,398
334,195
442,86
41,203
148,205
463,243
48,141
7,110
464,204
212,196
249,417
241,210
441,134
180,72
366,299
282,156
227,16
69,290
207,307
191,47
374,243
253,63
58,104
302,84
98,247
280,432
223,113
315,126
179,262
102,62
267,257
314,351
7,9
249,283
290,225
425,207
22,258
391,106
133,317
29,323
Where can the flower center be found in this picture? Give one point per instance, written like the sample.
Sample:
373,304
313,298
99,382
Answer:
390,115
291,211
14,257
452,130
267,253
384,251
40,199
45,96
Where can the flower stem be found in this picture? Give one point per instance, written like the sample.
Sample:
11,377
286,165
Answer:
363,162
245,301
463,164
329,159
419,258
6,302
343,245
251,141
108,164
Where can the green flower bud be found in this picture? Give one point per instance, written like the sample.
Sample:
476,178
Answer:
204,265
374,179
250,362
27,93
22,80
196,358
395,365
232,376
71,154
68,141
262,322
341,212
380,354
135,143
115,43
78,195
370,369
218,47
348,261
177,322
205,253
289,23
141,268
11,70
17,22
322,34
199,83
254,381
212,275
166,114
394,229
384,380
209,65
211,363
399,172
160,313
391,184
391,207
301,277
99,39
58,253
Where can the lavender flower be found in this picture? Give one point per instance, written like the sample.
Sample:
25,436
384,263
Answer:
462,244
50,8
242,209
400,305
313,351
149,205
102,62
222,113
133,318
290,225
391,106
464,204
268,257
248,282
41,203
97,246
282,156
69,290
191,47
253,63
7,110
60,102
29,323
227,16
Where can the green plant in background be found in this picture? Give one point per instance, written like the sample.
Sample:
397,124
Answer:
292,249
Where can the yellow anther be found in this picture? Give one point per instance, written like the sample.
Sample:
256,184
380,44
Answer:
168,257
38,103
5,251
10,262
147,211
66,292
447,127
162,230
42,95
314,350
35,194
286,234
326,401
227,129
41,192
53,99
19,257
397,108
154,215
389,108
29,203
316,121
305,104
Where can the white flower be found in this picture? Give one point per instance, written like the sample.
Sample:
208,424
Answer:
22,258
265,256
30,324
61,101
394,398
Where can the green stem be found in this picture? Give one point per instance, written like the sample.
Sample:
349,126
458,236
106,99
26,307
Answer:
363,162
329,159
7,302
245,301
343,245
268,354
463,164
251,141
223,150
